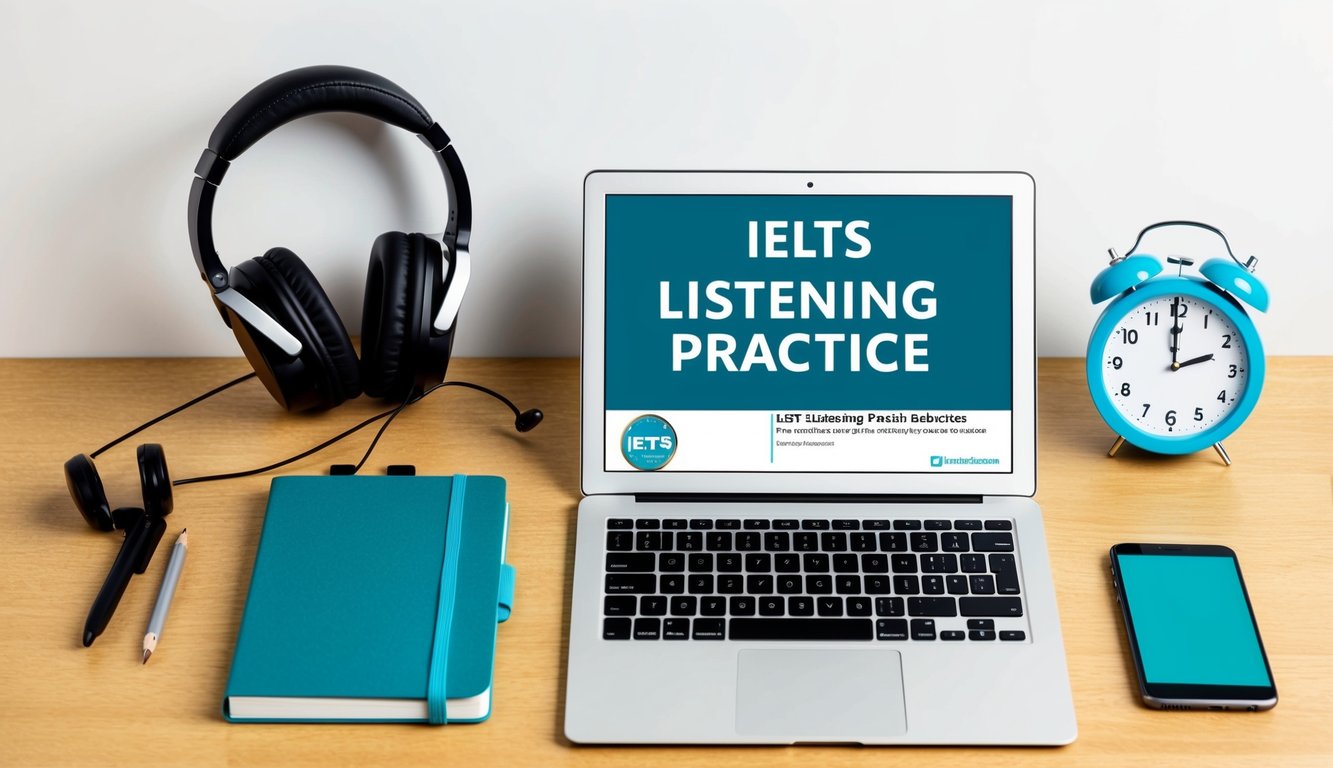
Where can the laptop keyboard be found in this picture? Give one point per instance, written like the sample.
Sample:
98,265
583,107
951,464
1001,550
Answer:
916,580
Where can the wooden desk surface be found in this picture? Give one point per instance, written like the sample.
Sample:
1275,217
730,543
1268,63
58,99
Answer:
61,704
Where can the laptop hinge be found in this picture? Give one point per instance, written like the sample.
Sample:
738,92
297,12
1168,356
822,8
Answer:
807,498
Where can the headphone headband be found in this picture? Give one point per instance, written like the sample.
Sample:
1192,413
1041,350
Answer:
296,94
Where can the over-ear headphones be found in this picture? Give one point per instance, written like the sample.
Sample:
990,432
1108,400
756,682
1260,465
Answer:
85,487
282,318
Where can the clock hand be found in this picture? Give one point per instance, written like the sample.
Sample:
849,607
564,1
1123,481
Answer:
1175,333
1192,361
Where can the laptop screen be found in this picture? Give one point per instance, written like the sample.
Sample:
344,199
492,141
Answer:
808,333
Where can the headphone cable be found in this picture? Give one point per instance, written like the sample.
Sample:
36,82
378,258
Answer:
169,414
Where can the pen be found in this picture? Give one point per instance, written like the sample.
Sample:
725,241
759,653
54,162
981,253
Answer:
140,542
164,596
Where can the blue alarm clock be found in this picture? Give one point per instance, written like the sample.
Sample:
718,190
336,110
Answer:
1175,363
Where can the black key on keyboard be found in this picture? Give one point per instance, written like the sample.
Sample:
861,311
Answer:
685,605
925,541
711,629
815,525
903,563
937,525
644,523
845,525
956,584
777,541
700,584
858,606
713,605
890,606
878,584
923,629
1006,574
939,563
619,522
671,562
999,525
786,525
982,584
931,606
758,562
671,584
846,564
953,541
787,563
700,562
619,541
701,525
833,541
619,605
789,584
729,524
876,525
805,541
981,623
631,583
674,523
828,605
771,606
647,629
891,629
967,525
730,583
648,541
906,585
801,629
717,541
652,605
675,629
756,525
742,605
815,562
993,542
818,584
759,584
729,562
906,525
893,542
952,634
801,606
932,584
875,563
990,606
847,585
863,542
972,563
630,562
617,628
1011,635
981,635
689,541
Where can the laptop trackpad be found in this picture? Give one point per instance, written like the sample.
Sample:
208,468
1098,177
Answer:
820,695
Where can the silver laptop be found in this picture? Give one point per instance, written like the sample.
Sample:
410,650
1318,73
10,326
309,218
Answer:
808,452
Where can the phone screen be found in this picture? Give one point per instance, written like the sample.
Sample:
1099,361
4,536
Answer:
1192,621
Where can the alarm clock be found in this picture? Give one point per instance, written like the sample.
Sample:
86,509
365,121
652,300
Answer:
1175,363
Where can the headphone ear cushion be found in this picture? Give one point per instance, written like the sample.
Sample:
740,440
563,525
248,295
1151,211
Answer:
397,312
338,357
154,480
85,487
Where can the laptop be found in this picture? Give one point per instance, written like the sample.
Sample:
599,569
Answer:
808,455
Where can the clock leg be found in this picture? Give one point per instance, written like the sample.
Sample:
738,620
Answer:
1223,453
1119,441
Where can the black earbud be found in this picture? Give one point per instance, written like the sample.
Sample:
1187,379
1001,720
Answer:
528,419
85,488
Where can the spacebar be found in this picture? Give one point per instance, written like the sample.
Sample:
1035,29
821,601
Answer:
802,629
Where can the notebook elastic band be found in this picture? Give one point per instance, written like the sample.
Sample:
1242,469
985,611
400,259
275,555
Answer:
436,691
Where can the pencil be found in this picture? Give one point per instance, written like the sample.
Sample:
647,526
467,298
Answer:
164,596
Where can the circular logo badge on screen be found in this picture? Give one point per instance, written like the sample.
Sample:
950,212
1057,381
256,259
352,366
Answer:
648,442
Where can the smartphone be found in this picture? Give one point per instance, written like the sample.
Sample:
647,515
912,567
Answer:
1191,629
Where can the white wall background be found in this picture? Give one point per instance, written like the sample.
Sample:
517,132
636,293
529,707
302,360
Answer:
1124,112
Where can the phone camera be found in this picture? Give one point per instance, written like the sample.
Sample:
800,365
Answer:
809,185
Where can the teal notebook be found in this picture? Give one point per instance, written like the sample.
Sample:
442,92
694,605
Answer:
374,599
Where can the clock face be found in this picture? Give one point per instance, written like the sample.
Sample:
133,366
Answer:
1175,365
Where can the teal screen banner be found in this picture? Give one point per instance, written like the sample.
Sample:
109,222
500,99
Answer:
822,302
